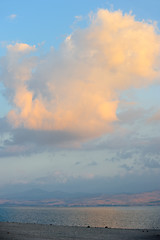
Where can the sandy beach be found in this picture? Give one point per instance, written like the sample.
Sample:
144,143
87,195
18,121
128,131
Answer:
21,231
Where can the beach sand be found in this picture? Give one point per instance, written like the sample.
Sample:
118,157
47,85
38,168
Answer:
23,231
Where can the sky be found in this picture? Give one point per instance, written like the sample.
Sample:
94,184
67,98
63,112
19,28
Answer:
80,95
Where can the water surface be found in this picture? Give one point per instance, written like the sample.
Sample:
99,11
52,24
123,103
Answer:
114,217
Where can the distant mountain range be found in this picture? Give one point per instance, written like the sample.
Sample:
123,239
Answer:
37,197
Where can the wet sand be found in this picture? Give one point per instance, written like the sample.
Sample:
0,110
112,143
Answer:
21,231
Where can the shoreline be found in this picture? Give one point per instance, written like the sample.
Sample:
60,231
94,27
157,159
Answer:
31,231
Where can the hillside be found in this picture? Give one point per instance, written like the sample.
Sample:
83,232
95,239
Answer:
43,198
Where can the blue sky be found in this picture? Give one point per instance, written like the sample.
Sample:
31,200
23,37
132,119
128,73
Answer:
49,22
76,109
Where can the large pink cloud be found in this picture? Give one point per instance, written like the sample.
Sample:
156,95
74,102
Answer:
77,88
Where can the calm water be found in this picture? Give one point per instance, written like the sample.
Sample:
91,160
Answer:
114,217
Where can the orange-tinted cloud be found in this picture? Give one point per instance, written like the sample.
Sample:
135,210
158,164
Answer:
155,117
77,88
20,47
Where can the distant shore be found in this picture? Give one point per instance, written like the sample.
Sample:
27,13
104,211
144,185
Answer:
30,231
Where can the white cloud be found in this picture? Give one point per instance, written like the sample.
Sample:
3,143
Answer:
12,16
78,18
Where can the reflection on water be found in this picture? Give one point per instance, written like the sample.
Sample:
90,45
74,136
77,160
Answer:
114,217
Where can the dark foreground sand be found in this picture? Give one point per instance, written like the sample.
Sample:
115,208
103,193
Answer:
20,231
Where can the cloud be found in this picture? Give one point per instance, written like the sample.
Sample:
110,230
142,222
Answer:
20,141
20,47
126,167
156,117
78,18
12,16
91,164
132,115
77,88
129,183
151,162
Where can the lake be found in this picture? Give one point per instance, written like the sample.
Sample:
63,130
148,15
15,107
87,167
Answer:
113,217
